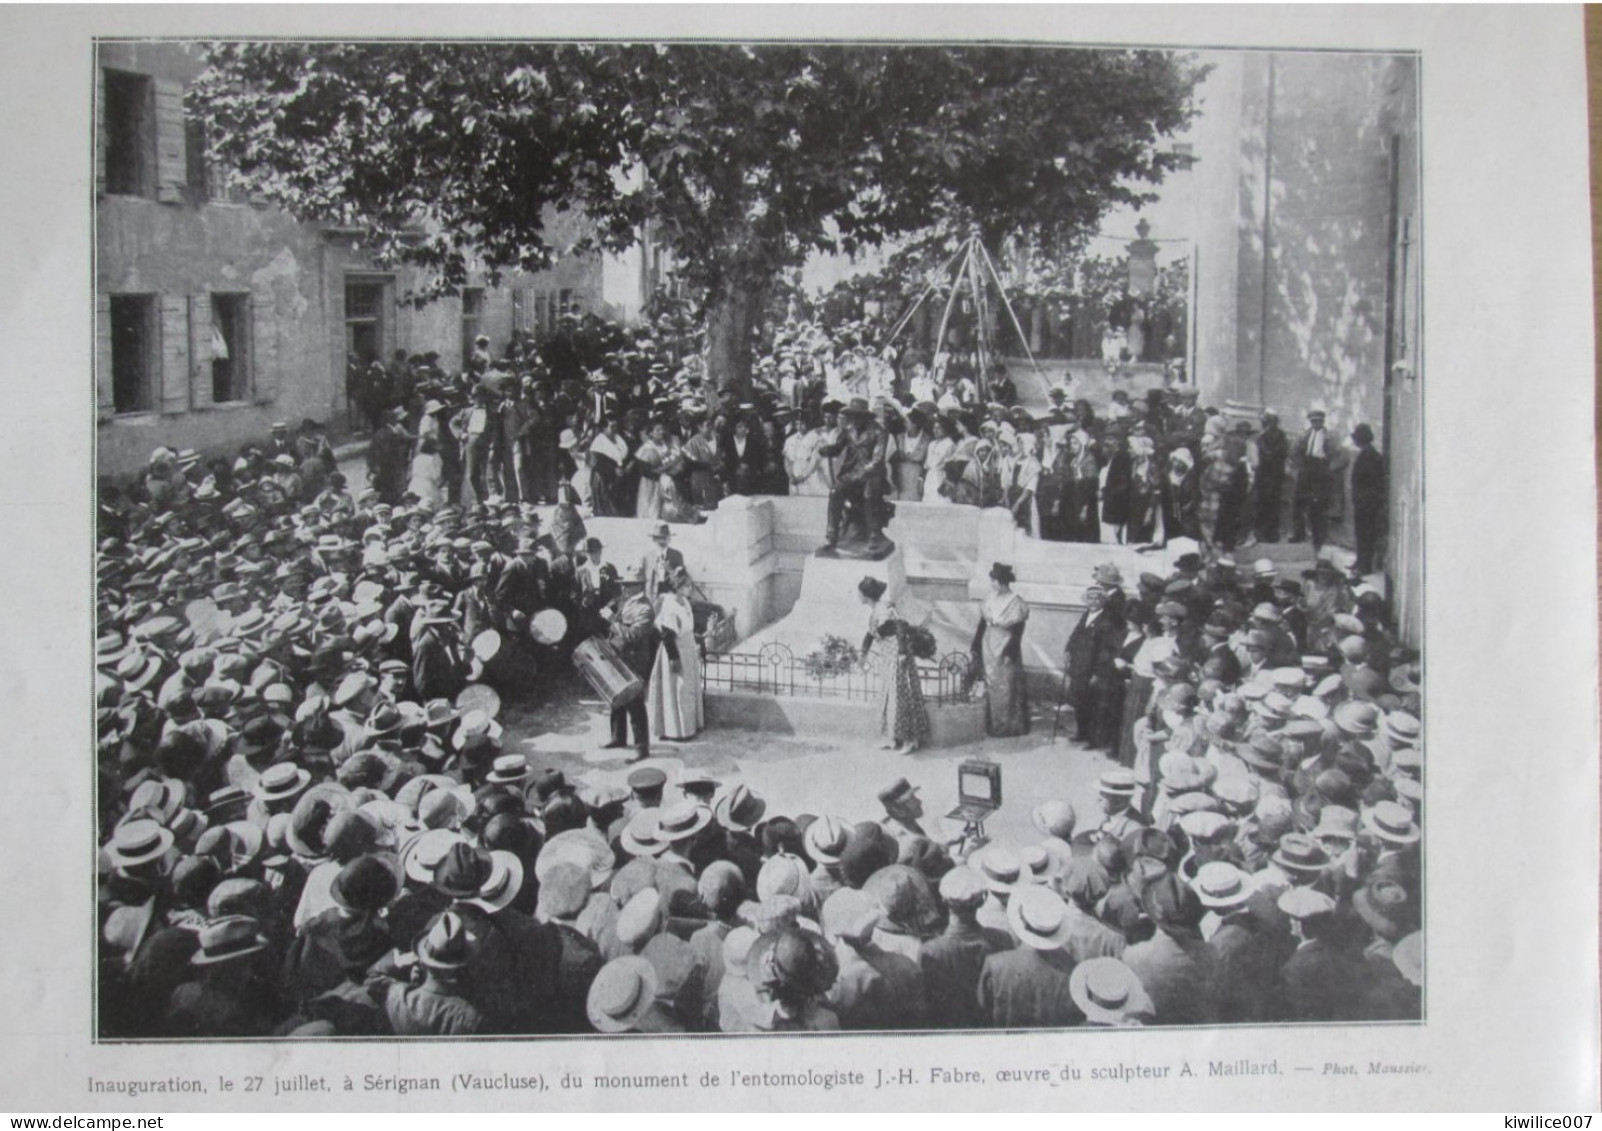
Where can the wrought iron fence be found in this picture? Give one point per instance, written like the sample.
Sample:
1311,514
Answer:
775,670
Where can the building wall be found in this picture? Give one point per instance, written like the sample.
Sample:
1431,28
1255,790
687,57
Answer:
1309,247
180,243
1404,431
1314,212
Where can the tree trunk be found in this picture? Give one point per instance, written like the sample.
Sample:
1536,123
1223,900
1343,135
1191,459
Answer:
733,314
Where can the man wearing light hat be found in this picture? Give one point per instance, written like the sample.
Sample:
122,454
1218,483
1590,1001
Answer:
1028,986
1310,461
1109,994
1115,793
952,961
1318,980
1246,961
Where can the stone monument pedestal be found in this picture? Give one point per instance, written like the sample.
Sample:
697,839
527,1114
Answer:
830,605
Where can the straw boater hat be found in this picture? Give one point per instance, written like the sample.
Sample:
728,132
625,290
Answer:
682,821
1221,886
1107,992
138,842
1391,822
504,883
642,836
423,853
1039,918
281,782
1408,957
509,769
1002,870
622,994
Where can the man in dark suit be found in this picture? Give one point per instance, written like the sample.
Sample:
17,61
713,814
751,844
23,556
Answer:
520,589
598,585
1368,498
1092,647
439,664
1273,449
1317,981
660,563
952,961
1310,458
1216,632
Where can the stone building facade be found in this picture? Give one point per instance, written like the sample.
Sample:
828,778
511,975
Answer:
216,315
1308,253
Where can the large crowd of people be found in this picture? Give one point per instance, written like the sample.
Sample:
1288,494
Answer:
309,824
637,434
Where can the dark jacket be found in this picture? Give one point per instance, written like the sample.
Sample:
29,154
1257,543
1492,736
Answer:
1027,988
951,964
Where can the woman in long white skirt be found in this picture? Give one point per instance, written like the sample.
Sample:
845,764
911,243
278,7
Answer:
673,701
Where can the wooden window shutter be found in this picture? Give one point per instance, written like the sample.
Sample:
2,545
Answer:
200,351
174,353
172,162
263,352
105,393
519,309
100,135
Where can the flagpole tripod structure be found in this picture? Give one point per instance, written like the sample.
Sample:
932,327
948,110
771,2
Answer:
970,266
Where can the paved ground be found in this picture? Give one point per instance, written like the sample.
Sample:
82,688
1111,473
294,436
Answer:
564,728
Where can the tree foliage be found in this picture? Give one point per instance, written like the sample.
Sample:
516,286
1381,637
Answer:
743,158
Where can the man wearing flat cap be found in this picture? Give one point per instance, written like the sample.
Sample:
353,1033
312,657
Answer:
1310,460
903,808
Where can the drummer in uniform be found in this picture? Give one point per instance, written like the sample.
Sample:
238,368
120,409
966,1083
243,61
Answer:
633,634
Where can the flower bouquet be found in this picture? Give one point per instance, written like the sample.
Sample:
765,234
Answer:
834,656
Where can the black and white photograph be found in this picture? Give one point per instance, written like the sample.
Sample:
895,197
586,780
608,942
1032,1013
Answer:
755,537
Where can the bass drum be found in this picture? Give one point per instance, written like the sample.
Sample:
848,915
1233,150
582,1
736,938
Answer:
604,670
548,627
502,664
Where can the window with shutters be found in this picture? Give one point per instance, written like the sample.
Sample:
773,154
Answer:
130,126
135,356
472,318
230,347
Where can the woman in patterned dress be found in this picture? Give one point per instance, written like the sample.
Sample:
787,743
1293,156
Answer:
902,718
